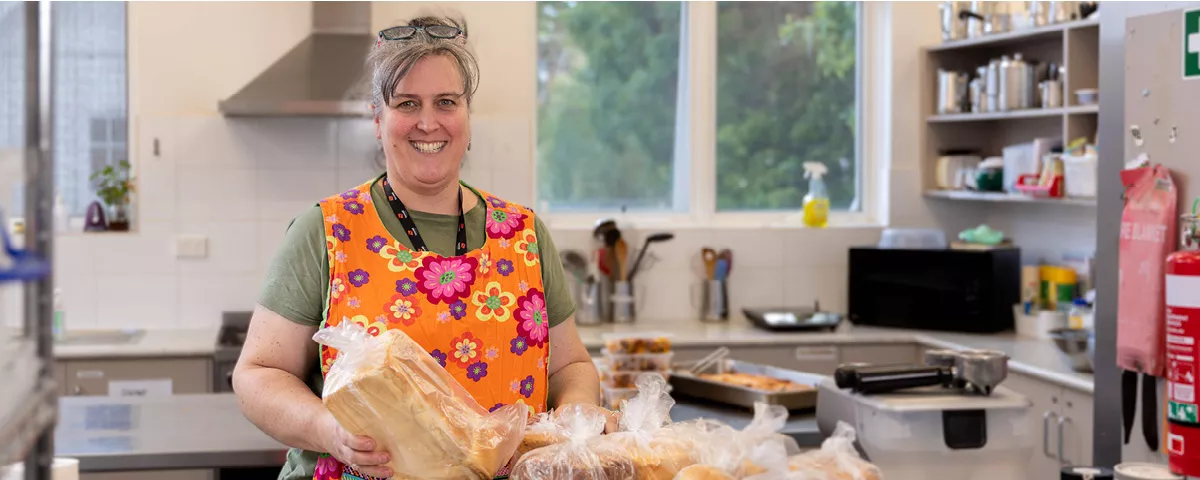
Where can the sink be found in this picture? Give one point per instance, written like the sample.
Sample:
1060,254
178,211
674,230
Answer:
101,337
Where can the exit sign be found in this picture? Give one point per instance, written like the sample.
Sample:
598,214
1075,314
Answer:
1191,44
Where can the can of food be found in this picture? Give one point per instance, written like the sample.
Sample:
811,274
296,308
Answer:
1058,287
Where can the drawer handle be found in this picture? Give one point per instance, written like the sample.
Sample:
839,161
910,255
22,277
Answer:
1061,421
1046,435
808,353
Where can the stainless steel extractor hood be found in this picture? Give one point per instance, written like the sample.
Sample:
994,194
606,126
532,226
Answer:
322,76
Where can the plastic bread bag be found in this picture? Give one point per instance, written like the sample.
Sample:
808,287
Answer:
390,389
554,427
756,452
658,451
580,456
836,460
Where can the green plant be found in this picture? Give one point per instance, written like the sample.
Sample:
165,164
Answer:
113,184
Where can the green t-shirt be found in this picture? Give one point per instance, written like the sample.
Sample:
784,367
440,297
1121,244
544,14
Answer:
297,281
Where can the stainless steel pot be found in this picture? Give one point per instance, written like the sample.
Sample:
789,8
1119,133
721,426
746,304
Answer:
1050,93
1016,83
992,86
952,91
953,27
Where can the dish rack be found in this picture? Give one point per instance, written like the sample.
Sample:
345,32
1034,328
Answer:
28,403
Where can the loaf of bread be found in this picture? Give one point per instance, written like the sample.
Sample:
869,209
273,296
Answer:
827,466
703,472
388,388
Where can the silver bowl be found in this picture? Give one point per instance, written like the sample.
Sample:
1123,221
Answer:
1073,345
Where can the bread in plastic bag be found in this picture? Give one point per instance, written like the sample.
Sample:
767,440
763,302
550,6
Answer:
580,456
390,389
836,460
658,451
756,452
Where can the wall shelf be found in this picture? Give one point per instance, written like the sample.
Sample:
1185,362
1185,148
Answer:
1015,114
1030,35
1002,197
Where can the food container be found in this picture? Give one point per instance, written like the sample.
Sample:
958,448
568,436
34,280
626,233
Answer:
621,379
1087,96
1080,175
649,342
638,362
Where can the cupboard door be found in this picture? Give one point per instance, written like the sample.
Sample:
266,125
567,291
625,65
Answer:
1077,428
177,376
1044,413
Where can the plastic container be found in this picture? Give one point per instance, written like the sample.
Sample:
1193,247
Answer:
913,238
908,440
1080,175
638,362
619,379
1087,96
647,342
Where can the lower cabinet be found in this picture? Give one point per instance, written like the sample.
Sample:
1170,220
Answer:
151,475
1062,422
179,376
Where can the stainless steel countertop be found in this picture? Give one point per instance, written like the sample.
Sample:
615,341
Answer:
209,431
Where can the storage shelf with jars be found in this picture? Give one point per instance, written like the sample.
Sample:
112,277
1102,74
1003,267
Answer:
1006,75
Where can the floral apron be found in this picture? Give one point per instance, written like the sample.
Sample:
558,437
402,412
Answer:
482,315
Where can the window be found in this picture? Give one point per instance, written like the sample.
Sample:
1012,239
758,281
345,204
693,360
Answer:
89,94
608,75
621,94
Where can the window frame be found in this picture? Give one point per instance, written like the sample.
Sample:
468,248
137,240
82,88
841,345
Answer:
697,156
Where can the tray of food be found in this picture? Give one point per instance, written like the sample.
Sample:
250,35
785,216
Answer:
733,382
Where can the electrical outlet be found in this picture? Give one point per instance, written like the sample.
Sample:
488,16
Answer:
191,246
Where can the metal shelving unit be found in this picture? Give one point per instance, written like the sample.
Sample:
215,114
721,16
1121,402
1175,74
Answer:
28,405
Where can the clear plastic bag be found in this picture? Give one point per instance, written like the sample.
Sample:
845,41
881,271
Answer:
580,456
390,389
757,452
658,451
836,460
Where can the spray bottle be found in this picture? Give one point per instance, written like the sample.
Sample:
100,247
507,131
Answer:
816,203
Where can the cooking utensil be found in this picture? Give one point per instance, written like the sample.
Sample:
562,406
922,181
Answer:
953,28
979,371
621,253
710,262
658,237
575,264
726,255
602,230
604,261
1072,344
1150,411
1128,401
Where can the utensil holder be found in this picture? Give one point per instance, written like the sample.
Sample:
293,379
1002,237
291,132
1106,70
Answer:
594,306
623,310
714,301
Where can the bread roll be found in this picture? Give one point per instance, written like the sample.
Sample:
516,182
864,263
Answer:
702,472
420,414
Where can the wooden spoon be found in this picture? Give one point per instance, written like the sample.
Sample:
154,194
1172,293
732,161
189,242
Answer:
621,251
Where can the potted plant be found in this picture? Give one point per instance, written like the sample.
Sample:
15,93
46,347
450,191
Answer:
113,186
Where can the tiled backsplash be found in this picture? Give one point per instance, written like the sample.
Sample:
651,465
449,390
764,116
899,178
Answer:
239,182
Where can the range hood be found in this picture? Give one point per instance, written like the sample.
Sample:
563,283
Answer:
322,76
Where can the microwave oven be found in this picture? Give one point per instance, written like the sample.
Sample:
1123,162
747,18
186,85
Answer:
946,290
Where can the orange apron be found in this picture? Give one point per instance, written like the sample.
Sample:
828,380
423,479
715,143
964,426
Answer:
481,315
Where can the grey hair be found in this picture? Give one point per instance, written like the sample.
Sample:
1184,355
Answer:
391,60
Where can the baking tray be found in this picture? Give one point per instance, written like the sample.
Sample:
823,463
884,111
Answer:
685,383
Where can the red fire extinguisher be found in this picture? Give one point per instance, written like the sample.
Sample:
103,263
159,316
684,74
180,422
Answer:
1182,290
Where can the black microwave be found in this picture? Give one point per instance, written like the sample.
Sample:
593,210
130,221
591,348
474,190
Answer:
947,290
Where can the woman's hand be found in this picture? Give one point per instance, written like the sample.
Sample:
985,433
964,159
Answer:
358,451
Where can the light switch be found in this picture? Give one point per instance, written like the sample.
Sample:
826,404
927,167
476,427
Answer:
191,246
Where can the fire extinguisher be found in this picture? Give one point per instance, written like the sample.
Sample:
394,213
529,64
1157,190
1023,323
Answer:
1183,349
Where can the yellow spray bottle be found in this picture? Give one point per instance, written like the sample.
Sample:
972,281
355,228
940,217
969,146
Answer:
816,203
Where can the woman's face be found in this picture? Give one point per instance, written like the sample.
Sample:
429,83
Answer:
425,130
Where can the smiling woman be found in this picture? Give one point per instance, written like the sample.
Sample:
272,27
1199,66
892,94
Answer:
465,274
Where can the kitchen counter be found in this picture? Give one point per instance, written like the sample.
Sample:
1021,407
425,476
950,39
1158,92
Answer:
1033,357
198,342
209,431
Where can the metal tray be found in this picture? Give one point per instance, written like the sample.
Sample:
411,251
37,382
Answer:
685,383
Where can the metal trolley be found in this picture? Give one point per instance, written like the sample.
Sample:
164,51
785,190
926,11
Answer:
28,403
